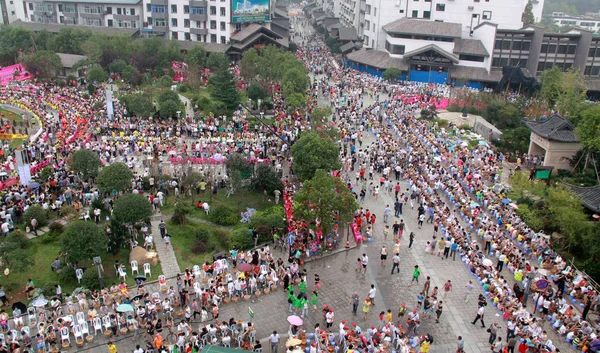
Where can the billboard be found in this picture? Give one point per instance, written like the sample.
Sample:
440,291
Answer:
250,11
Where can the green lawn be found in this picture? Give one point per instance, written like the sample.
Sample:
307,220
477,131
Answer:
44,253
10,115
197,92
239,201
184,239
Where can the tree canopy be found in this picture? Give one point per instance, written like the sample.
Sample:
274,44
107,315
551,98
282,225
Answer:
131,208
115,176
563,91
43,63
312,152
97,74
222,89
82,241
86,162
322,199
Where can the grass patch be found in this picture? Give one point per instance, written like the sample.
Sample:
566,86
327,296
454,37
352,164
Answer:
10,115
184,241
239,201
44,250
196,92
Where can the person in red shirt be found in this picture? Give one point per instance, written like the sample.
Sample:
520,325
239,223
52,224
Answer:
373,219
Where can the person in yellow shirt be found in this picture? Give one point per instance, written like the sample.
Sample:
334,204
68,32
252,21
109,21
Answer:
425,347
111,347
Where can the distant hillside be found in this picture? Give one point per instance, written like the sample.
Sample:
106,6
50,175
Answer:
572,7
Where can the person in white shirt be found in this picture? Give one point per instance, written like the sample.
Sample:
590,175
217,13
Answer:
468,290
274,341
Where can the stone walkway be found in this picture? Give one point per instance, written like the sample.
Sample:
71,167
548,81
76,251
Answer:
166,255
189,110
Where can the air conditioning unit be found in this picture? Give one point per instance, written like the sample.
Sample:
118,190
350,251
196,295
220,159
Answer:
471,8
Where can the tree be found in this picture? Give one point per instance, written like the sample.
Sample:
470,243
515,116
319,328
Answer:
222,88
180,213
15,253
527,17
266,178
105,49
169,109
392,74
169,95
138,105
217,62
295,81
82,241
563,91
191,181
312,152
131,208
114,177
588,129
256,91
130,74
36,211
44,64
295,101
196,56
117,66
250,64
70,40
97,74
44,40
86,162
323,199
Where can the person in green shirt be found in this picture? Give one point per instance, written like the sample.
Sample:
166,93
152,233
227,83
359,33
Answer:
416,274
290,293
315,300
298,303
302,286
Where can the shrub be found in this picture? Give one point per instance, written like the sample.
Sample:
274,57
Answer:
199,247
37,212
67,211
202,234
97,203
50,237
222,237
67,274
242,239
56,227
182,209
223,215
90,279
48,289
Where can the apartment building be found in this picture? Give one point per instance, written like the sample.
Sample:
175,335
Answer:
12,10
207,21
586,22
370,16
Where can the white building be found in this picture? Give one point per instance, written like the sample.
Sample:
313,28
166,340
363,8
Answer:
203,21
370,16
12,10
585,22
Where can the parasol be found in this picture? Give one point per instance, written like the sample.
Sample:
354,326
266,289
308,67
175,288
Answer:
172,152
244,267
514,205
140,277
33,185
295,320
293,342
487,262
20,306
123,308
543,272
39,302
505,201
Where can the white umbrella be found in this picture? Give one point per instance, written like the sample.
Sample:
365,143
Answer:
487,262
39,302
543,272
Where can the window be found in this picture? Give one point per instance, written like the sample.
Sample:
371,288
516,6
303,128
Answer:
213,38
496,62
110,23
186,9
148,7
506,45
368,24
426,14
118,10
498,44
197,10
159,8
551,48
374,11
132,12
200,24
186,23
544,48
223,40
562,49
587,71
571,49
368,9
587,24
174,22
30,6
187,36
526,45
213,10
174,35
440,7
476,58
222,10
69,8
367,40
174,10
213,25
199,37
487,15
149,20
92,10
516,45
415,14
160,22
394,48
222,26
476,0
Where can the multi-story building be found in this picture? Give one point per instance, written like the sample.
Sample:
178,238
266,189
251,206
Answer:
207,21
12,10
370,16
591,23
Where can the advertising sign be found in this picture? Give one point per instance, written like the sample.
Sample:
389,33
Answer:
250,11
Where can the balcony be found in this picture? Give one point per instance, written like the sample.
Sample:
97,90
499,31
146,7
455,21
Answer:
128,17
159,29
70,14
198,17
44,13
198,3
159,2
160,15
202,31
98,16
